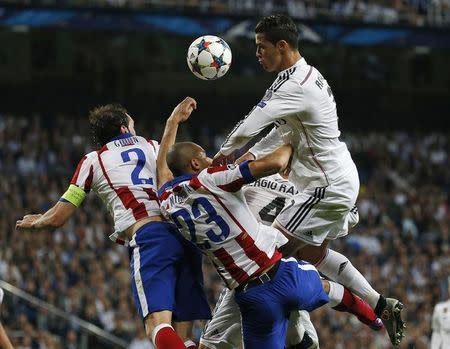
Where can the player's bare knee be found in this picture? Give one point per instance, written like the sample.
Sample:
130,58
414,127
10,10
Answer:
157,318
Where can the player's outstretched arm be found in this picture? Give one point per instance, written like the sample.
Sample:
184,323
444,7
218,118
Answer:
265,146
54,218
268,144
244,131
277,161
180,114
60,213
286,99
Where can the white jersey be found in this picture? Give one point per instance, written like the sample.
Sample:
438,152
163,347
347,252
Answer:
440,338
123,174
210,211
267,196
302,108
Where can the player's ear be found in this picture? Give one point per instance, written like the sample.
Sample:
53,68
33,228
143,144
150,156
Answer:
282,44
195,164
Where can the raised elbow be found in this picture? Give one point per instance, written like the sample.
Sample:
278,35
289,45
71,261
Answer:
278,165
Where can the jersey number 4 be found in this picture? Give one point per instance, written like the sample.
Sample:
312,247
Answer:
135,179
269,212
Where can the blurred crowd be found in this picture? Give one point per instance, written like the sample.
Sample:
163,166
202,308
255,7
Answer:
402,243
412,12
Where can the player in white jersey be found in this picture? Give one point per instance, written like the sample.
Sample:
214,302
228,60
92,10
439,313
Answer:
266,197
4,339
302,108
209,208
440,338
166,283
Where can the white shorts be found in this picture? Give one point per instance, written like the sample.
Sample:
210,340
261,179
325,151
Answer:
322,213
223,331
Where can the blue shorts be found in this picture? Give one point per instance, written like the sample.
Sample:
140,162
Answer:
265,308
166,273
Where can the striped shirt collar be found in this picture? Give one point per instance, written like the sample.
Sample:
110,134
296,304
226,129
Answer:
172,183
121,136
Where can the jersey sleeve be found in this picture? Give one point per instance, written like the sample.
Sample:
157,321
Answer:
268,144
229,178
280,134
276,103
80,183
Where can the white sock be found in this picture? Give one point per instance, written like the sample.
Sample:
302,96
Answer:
336,293
189,343
295,330
337,267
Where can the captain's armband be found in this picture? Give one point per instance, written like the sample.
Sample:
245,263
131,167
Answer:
75,195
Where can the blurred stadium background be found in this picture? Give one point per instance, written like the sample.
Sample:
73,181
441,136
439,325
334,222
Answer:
388,63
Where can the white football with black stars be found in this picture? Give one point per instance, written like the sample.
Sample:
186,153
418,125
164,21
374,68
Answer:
209,57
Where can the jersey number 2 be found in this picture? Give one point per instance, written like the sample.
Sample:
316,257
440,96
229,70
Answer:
135,179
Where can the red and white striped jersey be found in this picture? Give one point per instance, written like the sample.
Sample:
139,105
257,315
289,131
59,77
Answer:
123,174
210,210
267,196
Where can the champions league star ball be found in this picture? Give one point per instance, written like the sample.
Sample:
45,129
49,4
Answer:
209,57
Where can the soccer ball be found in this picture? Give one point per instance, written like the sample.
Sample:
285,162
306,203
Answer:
209,57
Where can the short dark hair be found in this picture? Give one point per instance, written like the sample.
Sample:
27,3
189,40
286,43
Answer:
278,27
179,157
106,121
